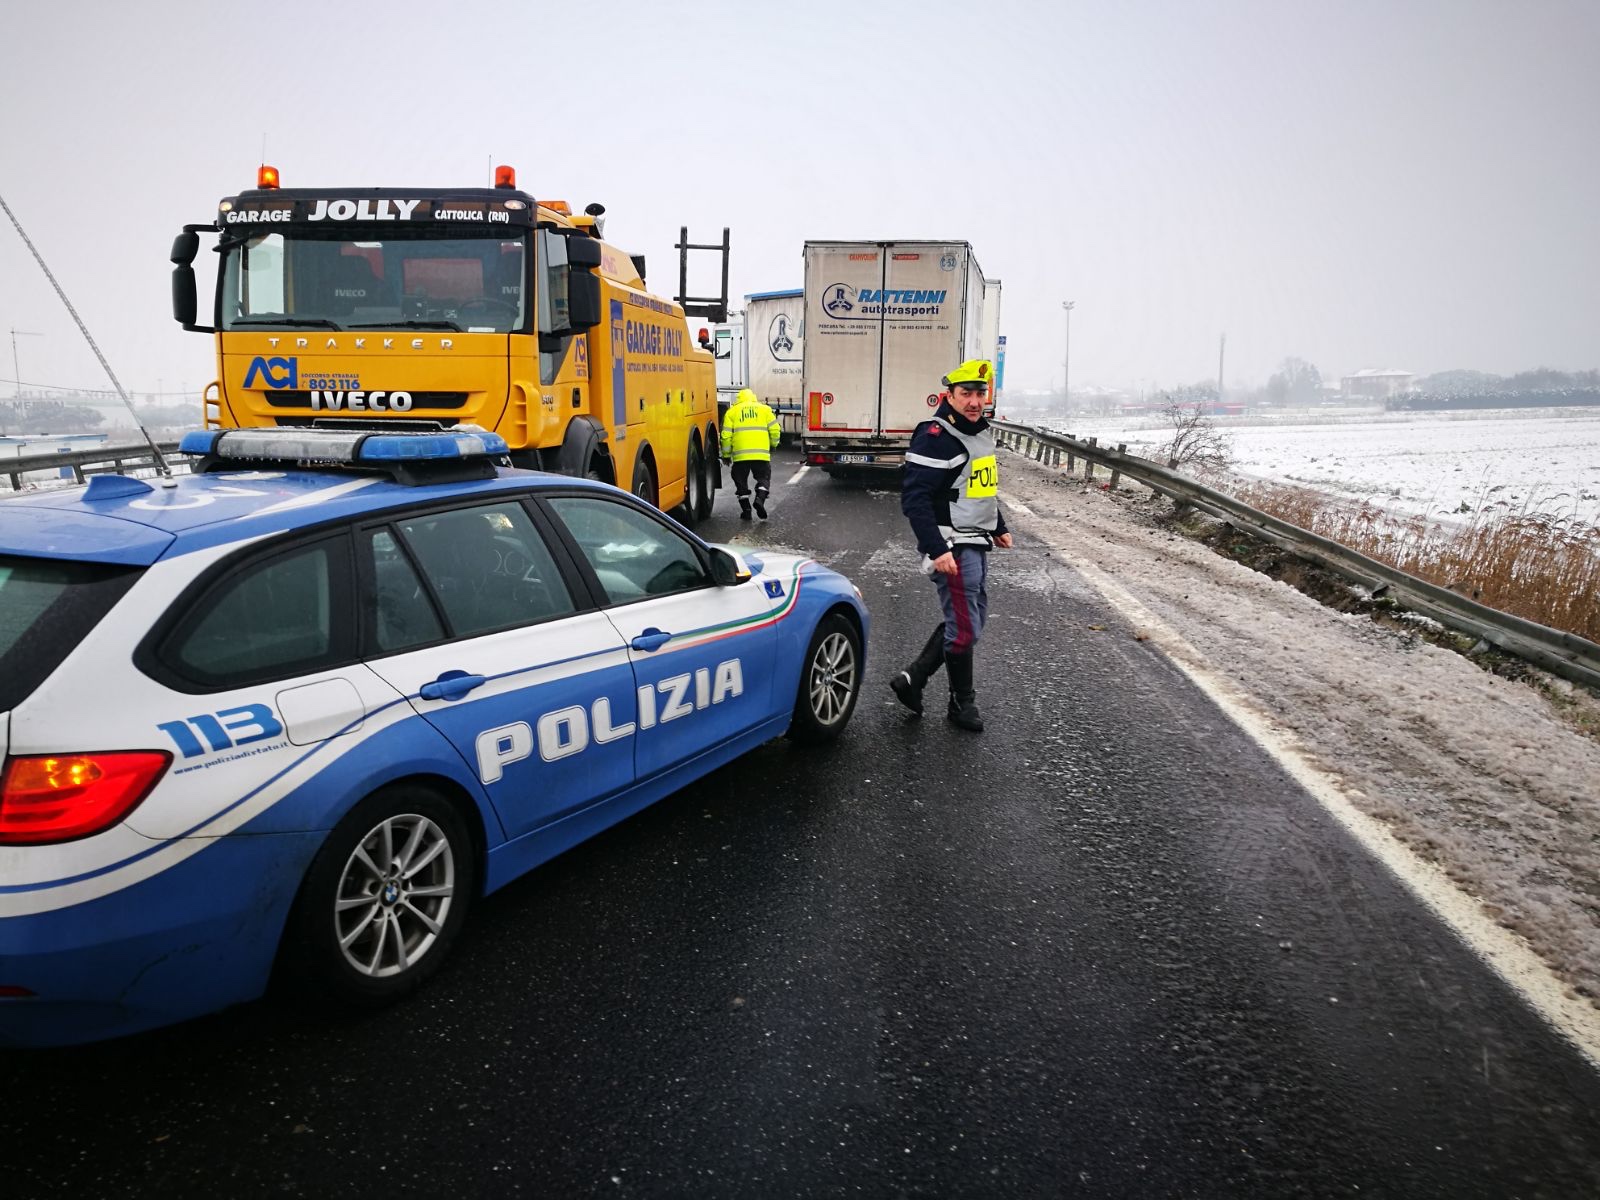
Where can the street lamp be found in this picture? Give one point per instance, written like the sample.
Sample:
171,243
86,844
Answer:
1066,362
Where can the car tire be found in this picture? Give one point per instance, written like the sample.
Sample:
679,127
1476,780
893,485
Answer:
644,482
398,872
830,682
694,484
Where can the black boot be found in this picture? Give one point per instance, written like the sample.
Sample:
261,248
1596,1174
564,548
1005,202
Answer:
908,684
744,508
761,504
963,711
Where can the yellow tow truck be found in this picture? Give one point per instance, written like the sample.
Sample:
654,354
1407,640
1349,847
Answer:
464,306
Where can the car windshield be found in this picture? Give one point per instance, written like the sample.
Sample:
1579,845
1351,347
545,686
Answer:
345,279
39,594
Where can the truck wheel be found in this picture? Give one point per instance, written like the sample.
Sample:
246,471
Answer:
830,681
708,486
694,485
385,897
644,481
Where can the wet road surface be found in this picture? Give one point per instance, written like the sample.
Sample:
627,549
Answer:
1106,948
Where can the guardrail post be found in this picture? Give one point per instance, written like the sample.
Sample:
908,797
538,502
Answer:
1088,463
1122,448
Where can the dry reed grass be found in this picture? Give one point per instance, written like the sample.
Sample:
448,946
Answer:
1533,564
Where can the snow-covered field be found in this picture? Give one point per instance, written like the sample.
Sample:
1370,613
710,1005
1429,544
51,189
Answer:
1430,463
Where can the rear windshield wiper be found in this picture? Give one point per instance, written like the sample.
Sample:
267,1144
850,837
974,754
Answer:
407,325
292,322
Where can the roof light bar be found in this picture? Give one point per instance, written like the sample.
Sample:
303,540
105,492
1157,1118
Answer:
266,177
343,446
408,456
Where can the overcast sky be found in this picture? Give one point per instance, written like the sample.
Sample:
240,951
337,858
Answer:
1397,183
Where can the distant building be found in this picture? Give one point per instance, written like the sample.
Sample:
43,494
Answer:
1375,384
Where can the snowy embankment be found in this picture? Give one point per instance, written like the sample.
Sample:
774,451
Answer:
1475,774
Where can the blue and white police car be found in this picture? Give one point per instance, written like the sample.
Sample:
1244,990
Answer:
313,700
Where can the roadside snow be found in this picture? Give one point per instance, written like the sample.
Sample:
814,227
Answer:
1473,773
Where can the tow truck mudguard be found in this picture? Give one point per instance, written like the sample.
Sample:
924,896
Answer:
583,444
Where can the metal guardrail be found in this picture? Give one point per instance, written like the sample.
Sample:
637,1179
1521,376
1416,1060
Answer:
1561,653
102,460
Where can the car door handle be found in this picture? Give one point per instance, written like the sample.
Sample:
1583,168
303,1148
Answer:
651,639
452,685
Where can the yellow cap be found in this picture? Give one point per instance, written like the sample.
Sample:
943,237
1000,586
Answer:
974,370
746,396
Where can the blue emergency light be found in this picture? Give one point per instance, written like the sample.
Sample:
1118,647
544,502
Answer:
421,456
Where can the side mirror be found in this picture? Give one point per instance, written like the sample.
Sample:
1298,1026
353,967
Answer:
727,569
185,246
183,293
583,253
583,301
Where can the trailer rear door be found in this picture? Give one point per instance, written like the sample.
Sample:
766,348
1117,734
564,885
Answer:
844,342
921,306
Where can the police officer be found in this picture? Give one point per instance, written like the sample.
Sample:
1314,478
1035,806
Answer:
950,496
750,433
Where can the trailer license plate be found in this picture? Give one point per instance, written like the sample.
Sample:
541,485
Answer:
855,458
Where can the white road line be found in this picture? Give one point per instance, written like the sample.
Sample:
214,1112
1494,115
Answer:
795,478
1507,954
1016,506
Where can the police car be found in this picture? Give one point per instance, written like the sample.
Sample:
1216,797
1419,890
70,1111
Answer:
307,704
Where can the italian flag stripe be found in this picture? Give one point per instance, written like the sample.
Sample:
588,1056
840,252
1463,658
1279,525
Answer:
715,633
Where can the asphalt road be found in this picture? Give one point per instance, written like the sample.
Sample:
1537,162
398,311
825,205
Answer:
1105,949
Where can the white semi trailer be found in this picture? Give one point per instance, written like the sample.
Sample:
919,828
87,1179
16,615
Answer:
884,320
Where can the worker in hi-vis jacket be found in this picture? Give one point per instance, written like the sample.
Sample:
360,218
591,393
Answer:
750,433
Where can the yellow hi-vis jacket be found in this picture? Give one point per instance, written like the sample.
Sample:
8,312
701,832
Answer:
750,431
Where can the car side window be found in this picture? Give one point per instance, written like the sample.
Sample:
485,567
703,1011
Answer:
488,566
633,555
402,614
272,619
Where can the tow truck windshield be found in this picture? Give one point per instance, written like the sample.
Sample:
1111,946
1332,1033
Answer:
344,279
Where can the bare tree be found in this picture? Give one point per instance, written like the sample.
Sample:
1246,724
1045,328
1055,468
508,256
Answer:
1295,382
1196,444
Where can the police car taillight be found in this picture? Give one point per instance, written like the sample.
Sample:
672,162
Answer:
60,797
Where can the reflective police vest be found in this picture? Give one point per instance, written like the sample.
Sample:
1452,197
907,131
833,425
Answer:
749,431
974,502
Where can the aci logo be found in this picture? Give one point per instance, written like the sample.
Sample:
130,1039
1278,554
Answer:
278,372
619,332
